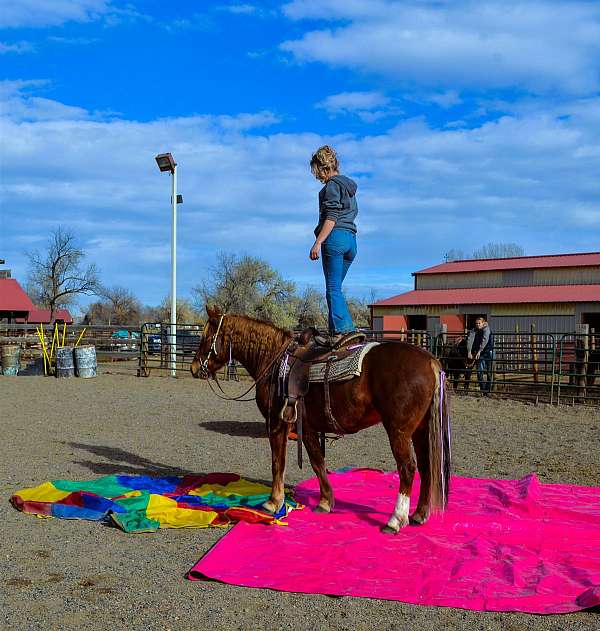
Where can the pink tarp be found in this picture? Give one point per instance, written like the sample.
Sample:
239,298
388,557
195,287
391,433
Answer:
501,545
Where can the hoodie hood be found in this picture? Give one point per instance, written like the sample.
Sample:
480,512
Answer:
346,183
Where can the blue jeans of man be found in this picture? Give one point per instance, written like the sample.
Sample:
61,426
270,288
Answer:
337,253
484,367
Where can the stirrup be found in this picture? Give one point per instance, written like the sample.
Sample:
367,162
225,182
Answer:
355,337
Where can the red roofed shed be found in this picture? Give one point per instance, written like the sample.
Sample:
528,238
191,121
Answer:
16,306
14,302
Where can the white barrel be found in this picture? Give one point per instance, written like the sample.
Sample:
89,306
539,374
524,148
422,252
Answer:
85,361
11,359
64,362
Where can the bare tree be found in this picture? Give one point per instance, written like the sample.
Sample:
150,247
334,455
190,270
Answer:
498,251
454,254
58,275
185,311
97,313
360,311
488,251
124,307
248,286
311,309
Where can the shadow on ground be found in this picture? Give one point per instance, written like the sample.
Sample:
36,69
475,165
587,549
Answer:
127,463
248,429
122,461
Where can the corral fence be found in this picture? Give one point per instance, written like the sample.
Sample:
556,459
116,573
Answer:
545,367
161,352
113,343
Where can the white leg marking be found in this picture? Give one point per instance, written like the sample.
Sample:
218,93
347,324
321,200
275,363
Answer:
400,517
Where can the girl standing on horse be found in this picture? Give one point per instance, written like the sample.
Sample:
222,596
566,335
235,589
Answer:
335,237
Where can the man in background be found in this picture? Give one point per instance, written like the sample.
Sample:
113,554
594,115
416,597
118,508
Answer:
480,348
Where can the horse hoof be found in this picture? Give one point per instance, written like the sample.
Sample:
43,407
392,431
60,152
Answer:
386,530
321,509
268,508
418,519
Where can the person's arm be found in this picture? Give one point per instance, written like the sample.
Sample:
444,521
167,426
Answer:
484,340
328,226
332,205
470,340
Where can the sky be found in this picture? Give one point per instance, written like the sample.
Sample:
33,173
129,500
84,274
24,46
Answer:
462,121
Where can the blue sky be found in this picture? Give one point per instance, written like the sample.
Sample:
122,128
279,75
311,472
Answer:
463,122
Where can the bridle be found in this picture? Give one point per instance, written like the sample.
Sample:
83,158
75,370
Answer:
206,373
212,350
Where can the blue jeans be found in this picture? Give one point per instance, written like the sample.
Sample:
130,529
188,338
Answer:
484,367
337,253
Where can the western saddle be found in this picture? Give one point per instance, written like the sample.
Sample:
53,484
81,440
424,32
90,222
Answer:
294,376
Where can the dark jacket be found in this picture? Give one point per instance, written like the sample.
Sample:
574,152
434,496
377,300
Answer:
480,340
337,201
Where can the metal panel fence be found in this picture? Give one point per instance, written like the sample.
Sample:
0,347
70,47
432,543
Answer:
545,367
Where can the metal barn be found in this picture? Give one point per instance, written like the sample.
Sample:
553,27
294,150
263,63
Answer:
556,293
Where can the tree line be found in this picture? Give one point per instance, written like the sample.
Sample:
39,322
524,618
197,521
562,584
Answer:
237,284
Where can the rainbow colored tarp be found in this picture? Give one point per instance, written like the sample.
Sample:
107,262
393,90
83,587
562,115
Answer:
145,503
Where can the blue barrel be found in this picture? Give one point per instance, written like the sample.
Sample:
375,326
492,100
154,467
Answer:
85,361
64,362
11,359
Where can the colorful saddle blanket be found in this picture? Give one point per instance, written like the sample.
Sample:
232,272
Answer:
145,504
348,366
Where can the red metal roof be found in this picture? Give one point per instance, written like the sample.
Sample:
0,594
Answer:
42,316
519,262
495,295
12,296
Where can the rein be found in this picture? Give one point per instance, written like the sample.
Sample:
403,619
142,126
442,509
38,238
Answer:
261,376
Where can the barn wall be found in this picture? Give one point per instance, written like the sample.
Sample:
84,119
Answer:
510,278
394,323
543,323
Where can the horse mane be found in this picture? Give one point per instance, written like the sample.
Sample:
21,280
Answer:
254,337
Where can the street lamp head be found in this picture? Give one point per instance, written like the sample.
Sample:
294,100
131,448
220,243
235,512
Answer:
166,162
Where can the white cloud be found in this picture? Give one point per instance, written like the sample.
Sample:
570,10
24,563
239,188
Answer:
353,101
17,48
530,177
37,13
244,9
537,45
368,106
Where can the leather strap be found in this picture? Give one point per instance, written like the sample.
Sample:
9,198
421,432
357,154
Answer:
336,426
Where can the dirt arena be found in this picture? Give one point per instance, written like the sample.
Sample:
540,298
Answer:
71,575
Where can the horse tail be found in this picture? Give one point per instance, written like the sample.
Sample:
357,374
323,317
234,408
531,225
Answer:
440,454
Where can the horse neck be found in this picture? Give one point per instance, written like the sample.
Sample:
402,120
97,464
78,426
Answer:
254,344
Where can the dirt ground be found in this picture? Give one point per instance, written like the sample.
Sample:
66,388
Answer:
70,575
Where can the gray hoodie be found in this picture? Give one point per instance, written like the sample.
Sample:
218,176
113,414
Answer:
337,201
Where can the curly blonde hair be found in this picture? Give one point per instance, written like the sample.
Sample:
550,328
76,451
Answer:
324,162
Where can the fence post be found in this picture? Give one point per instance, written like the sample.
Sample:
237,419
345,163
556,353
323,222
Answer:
534,356
143,370
582,366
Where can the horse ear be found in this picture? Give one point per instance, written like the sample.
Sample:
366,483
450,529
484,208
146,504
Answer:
213,312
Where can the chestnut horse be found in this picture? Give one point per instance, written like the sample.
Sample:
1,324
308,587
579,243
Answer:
401,386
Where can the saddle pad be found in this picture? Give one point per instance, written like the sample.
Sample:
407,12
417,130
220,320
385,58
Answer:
342,369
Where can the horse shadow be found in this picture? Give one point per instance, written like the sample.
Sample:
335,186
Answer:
123,462
243,429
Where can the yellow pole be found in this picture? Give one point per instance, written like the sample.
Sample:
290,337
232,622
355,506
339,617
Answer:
64,333
79,338
44,351
54,339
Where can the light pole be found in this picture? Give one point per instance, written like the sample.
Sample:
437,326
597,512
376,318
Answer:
166,162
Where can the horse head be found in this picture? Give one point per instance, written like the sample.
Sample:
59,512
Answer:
211,353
